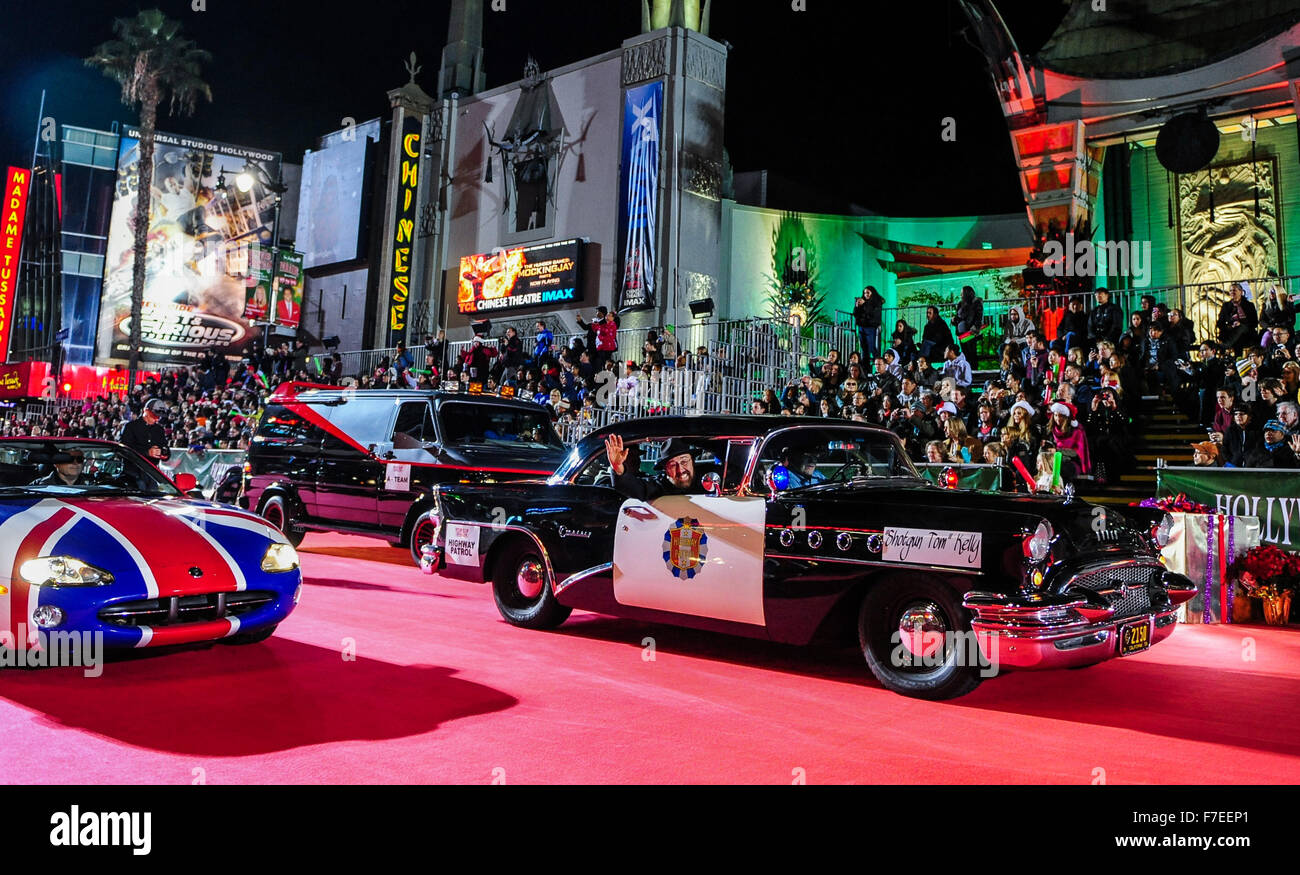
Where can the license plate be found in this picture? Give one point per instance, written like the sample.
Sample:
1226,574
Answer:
1134,638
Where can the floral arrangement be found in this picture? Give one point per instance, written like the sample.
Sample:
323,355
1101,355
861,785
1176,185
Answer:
1175,504
1267,570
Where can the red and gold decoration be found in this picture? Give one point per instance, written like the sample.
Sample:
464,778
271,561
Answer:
1272,575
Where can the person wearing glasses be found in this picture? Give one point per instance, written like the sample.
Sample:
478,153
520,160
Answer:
69,467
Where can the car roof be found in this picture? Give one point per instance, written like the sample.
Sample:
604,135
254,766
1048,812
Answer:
320,395
716,425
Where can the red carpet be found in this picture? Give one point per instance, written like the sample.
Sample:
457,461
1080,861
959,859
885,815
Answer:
442,690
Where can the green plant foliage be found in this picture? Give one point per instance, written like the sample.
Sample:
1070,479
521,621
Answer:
794,274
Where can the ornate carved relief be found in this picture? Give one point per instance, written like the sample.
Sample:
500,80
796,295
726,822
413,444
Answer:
645,61
1222,238
706,65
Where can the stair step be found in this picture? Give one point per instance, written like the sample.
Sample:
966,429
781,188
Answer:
1111,499
1145,477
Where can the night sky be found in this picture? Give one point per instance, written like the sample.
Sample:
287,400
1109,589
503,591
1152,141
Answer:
847,97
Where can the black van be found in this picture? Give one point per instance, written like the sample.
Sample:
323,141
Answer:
366,461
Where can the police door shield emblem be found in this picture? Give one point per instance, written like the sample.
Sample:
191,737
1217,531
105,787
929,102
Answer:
685,548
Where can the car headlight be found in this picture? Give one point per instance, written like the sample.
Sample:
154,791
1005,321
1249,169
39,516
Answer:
1163,529
62,571
280,557
1039,544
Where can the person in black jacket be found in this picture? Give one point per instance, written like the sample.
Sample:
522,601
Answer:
1277,310
146,435
678,478
935,336
69,467
1238,321
1243,438
969,318
1157,359
1073,328
866,315
903,343
1106,321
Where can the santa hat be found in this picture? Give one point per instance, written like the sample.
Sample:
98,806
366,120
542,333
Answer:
1067,410
948,407
1025,406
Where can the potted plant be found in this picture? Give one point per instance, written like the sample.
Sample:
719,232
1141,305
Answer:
1271,575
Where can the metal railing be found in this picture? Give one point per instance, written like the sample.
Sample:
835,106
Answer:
1199,302
741,359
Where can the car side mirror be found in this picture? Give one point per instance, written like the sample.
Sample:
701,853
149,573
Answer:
186,482
712,482
777,479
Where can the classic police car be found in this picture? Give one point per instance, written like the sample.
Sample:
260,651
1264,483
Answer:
93,539
812,529
366,461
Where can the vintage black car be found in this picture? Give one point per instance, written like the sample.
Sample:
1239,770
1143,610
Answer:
803,530
366,461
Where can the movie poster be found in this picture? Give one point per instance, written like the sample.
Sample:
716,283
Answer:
257,300
288,288
525,276
196,293
638,213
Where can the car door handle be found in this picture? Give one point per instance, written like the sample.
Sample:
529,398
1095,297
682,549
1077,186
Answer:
639,512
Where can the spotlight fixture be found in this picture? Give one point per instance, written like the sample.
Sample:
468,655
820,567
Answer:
702,309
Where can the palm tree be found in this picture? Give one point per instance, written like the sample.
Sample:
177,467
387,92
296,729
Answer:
152,62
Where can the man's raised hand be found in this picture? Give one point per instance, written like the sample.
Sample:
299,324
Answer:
616,453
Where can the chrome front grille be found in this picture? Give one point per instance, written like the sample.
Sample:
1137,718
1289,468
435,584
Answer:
176,610
1124,587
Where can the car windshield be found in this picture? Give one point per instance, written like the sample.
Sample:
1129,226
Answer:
77,468
497,425
813,456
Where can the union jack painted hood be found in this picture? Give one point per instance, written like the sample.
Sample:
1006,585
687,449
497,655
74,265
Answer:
183,570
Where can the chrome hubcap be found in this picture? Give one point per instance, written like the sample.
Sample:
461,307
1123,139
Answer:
921,629
529,578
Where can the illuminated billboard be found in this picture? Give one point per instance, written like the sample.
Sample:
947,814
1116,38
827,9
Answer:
13,209
196,290
525,276
329,208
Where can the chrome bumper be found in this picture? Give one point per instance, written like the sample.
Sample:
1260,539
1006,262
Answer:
1076,628
1009,645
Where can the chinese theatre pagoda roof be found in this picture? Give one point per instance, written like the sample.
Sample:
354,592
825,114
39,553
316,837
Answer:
1141,38
910,259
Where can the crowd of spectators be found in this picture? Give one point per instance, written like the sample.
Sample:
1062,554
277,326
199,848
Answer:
212,405
1076,392
1073,391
